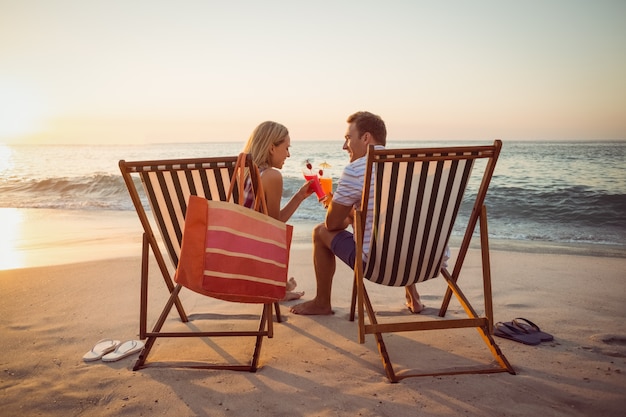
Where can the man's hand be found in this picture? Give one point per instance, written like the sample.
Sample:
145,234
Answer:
327,199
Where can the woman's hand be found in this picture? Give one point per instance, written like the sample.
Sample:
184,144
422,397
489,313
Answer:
306,190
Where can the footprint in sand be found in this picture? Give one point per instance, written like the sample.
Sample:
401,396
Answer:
610,344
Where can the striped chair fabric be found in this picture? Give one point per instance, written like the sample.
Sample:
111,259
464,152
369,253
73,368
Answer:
169,185
417,198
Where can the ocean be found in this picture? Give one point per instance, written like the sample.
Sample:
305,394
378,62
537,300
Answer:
554,192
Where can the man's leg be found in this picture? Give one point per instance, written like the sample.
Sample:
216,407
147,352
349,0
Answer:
413,299
324,263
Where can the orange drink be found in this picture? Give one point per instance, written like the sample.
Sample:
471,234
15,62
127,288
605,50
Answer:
327,185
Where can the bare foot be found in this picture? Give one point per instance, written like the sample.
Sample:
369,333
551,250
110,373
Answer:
413,300
291,284
311,308
292,295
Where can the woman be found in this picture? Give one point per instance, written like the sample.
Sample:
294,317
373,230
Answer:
269,147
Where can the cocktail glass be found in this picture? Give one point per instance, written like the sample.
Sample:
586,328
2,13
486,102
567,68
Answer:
327,184
317,187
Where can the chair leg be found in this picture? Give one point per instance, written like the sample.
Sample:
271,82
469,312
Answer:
382,349
484,245
446,301
448,295
166,274
495,349
380,343
353,303
143,300
482,216
269,317
485,329
279,318
143,355
267,311
157,327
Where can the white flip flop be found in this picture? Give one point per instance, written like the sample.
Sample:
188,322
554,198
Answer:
100,349
123,350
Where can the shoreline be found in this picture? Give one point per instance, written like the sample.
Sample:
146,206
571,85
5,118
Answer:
46,237
555,248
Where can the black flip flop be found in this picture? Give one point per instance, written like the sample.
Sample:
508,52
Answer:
529,327
508,331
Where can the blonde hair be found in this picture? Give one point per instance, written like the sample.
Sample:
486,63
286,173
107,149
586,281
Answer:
261,140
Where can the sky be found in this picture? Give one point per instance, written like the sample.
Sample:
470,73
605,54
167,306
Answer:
131,71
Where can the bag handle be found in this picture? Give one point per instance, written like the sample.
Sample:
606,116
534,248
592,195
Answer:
234,180
244,163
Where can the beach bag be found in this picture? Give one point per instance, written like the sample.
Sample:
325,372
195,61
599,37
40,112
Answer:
231,252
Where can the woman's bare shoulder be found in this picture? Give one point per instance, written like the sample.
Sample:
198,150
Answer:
271,174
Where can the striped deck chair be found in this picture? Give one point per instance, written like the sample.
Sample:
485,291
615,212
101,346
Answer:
166,186
417,196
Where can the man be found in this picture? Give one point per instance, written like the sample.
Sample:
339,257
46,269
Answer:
330,238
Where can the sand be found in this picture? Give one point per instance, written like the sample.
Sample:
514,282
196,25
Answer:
314,366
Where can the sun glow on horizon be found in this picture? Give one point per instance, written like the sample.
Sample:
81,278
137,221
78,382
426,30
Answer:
21,113
113,72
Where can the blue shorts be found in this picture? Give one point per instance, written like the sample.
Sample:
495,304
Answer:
344,247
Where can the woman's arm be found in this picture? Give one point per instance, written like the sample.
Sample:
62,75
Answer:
273,186
295,201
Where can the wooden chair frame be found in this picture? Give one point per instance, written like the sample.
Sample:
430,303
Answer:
167,185
360,298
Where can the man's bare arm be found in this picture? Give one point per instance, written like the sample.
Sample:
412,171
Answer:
339,216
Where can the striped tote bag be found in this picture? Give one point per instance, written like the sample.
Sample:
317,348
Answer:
233,253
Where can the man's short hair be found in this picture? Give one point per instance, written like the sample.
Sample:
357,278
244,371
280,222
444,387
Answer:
368,122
